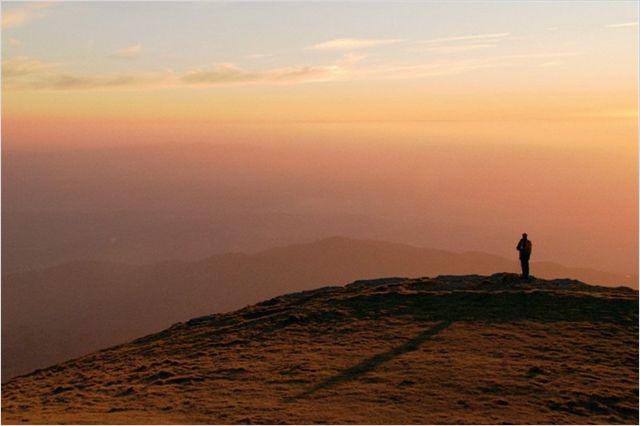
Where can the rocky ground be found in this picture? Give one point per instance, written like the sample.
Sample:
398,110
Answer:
452,349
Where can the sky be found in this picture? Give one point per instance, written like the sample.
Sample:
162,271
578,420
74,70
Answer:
505,101
271,62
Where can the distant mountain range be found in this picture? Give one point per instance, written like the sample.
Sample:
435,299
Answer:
61,312
181,201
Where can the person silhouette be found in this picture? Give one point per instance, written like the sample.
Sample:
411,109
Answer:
524,247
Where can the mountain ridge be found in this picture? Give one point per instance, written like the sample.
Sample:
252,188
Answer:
449,349
53,314
338,240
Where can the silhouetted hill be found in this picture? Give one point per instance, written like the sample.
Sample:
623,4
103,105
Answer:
65,311
452,349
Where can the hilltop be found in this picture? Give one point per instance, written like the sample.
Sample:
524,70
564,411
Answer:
53,314
450,349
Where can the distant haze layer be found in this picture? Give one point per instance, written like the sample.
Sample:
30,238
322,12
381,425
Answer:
267,186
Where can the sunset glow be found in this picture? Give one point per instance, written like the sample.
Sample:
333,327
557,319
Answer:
319,212
282,63
547,90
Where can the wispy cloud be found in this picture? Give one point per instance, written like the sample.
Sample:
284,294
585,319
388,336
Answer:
348,67
19,15
219,74
224,74
351,59
432,69
623,25
456,48
545,55
491,36
88,82
460,44
351,43
130,52
23,66
25,73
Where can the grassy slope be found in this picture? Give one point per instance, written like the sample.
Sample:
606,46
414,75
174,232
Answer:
467,349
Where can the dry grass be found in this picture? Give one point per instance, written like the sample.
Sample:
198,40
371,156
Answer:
448,350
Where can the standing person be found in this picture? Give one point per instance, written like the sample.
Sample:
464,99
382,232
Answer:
524,247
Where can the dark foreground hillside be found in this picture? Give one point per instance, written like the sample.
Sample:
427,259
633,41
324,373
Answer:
453,349
54,314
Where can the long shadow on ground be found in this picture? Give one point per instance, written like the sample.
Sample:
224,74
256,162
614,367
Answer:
369,364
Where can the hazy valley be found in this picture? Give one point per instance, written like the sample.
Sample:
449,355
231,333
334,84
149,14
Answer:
60,312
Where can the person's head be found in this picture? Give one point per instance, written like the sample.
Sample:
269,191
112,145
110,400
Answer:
524,235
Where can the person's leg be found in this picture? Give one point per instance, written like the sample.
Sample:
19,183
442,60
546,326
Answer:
525,268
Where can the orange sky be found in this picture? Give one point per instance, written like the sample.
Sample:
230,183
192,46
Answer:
557,81
488,62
